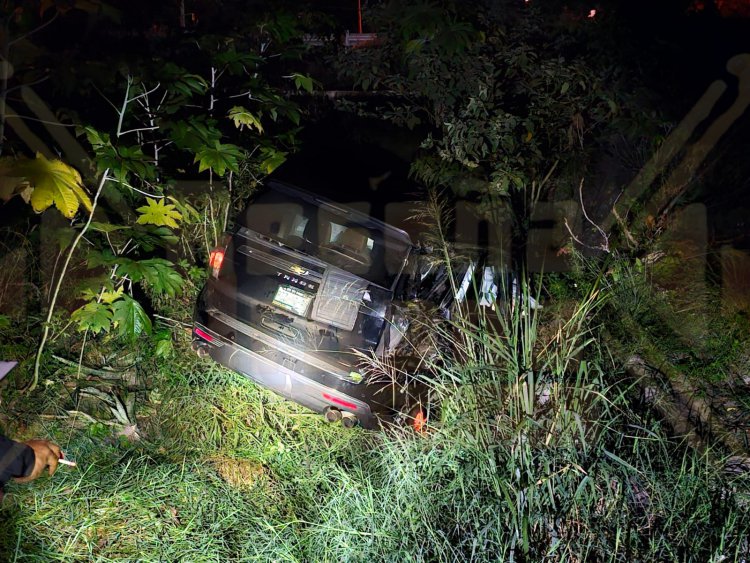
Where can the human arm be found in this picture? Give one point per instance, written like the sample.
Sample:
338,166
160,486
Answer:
25,462
16,460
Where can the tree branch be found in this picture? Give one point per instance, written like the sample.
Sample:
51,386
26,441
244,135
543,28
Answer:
33,31
45,334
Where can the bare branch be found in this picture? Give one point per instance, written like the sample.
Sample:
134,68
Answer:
28,118
33,31
28,84
155,196
138,130
605,237
146,94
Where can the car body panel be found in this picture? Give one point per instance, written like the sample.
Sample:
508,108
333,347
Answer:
297,313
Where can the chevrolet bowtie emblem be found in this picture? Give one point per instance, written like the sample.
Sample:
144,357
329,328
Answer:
299,270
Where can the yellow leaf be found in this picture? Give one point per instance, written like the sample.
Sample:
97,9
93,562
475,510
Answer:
111,296
159,213
54,183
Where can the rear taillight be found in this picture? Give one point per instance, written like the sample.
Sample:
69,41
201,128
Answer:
215,260
204,335
340,402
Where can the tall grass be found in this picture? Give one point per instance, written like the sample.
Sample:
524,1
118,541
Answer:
536,454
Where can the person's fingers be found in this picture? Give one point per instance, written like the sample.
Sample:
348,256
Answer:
46,454
52,462
55,448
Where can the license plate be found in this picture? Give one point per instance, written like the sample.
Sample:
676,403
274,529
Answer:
292,299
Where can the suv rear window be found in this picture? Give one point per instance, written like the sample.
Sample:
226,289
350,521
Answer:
336,235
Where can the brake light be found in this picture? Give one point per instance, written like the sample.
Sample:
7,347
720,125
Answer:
204,335
215,260
339,402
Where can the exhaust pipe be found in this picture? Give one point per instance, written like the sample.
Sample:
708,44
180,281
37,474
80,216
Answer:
200,349
349,420
332,415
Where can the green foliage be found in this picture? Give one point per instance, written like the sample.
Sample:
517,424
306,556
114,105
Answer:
94,317
543,465
159,213
158,273
237,63
303,82
219,158
502,103
271,159
129,318
122,161
243,118
193,132
169,105
163,345
112,309
181,83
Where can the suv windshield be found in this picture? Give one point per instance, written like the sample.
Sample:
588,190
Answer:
339,236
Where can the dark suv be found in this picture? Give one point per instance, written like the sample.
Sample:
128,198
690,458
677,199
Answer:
301,293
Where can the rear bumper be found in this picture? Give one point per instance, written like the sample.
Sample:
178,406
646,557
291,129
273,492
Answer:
279,372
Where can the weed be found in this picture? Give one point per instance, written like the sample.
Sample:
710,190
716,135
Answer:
536,454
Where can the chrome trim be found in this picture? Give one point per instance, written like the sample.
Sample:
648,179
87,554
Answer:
279,345
277,262
362,407
294,333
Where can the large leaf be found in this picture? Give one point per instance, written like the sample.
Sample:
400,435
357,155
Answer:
193,133
219,158
93,316
187,211
243,118
272,159
131,269
158,273
53,183
132,160
97,258
181,83
110,296
149,237
97,138
303,82
162,339
129,318
159,213
161,276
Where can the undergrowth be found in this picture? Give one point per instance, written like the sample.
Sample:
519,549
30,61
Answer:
536,454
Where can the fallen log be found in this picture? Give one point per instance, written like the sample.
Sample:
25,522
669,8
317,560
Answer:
689,415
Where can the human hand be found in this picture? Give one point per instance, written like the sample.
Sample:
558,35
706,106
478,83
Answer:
46,454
